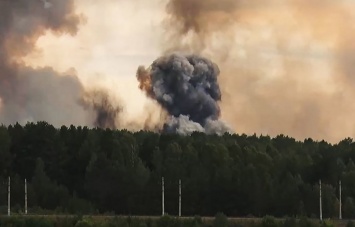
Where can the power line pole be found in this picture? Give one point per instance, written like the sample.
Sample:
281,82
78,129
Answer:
8,197
162,196
25,196
179,198
320,200
340,215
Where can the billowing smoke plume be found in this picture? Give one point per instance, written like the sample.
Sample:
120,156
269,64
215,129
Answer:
40,94
186,87
286,66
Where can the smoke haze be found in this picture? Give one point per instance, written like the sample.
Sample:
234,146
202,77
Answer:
40,94
286,65
107,110
105,53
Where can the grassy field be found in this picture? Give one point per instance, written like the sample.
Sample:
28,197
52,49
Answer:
208,221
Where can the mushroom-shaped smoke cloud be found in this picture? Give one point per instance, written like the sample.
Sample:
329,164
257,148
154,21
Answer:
186,86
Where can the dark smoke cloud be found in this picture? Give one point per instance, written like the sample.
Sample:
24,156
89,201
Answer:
186,87
40,94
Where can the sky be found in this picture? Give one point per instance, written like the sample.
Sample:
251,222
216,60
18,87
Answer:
286,66
116,37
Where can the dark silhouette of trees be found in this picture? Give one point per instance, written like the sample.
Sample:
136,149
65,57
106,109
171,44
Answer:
77,169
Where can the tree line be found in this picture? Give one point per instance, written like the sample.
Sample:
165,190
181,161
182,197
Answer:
82,170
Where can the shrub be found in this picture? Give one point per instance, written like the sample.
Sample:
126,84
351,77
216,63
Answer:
84,223
118,222
195,222
168,221
136,222
220,220
290,222
327,223
269,221
305,222
350,224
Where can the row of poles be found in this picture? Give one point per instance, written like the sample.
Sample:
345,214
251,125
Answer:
9,197
320,201
163,198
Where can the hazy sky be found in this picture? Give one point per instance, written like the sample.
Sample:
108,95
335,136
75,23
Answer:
286,66
117,36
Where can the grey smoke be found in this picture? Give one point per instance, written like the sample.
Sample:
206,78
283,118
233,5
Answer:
186,86
106,108
45,95
47,4
41,94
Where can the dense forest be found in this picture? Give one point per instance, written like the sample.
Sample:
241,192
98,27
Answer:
77,169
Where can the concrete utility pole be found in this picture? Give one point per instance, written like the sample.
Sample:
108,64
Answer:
340,215
25,196
179,198
162,196
320,200
8,198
